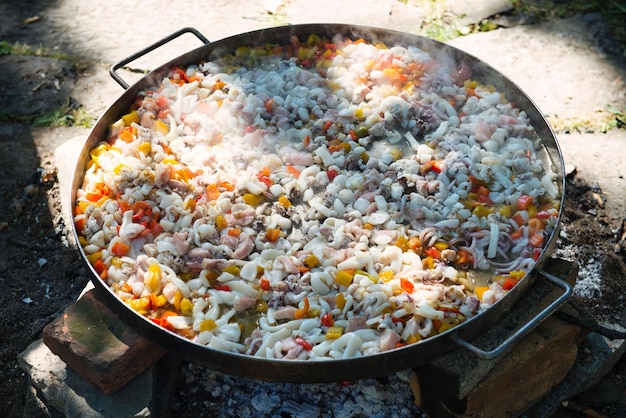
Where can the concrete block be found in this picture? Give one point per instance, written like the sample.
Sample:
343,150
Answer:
59,387
66,157
597,355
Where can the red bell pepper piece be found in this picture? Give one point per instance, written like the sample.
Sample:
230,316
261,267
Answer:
120,248
304,343
327,320
509,283
523,202
433,252
407,285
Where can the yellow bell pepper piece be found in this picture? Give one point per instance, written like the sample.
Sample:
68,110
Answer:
334,333
242,51
284,200
340,301
441,245
403,243
141,304
506,210
118,168
158,301
412,339
129,118
344,277
94,153
220,222
396,153
144,147
93,257
190,204
178,297
386,275
116,262
479,291
445,326
311,261
153,278
313,39
314,313
207,325
482,211
428,263
161,127
83,205
232,269
186,306
252,199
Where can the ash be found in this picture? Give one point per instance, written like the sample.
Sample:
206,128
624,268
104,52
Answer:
206,393
589,281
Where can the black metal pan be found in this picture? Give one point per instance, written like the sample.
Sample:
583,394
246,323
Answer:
356,368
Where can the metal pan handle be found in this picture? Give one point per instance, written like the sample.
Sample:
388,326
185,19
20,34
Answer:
114,68
523,330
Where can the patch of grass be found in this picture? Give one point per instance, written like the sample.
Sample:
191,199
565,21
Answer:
618,118
66,115
18,48
439,23
602,120
8,117
69,114
5,48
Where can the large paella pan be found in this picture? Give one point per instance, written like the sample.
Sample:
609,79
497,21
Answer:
318,202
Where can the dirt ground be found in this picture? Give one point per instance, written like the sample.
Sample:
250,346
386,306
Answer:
41,273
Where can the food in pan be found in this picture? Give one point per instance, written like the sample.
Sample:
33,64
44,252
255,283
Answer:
325,198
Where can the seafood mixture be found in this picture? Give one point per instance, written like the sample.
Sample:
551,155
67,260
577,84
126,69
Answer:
325,198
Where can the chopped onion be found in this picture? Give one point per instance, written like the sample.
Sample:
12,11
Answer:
494,237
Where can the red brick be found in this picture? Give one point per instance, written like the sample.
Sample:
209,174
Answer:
98,346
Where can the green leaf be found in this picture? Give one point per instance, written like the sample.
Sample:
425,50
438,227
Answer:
620,7
5,48
613,110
